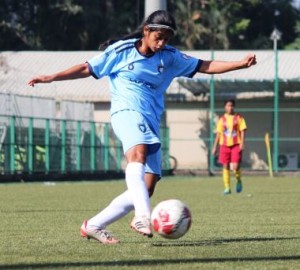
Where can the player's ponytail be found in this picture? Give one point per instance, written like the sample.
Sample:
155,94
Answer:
157,20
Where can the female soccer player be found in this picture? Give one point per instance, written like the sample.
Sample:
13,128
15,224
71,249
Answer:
140,70
230,136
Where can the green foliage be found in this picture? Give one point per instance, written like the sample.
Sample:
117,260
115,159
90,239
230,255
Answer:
257,229
241,24
189,27
64,24
204,24
295,45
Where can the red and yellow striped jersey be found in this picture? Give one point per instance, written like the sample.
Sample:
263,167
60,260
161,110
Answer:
230,127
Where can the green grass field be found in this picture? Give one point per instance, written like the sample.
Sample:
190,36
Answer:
257,229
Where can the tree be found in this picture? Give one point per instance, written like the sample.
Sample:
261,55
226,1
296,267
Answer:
263,16
239,24
64,24
295,45
13,25
202,24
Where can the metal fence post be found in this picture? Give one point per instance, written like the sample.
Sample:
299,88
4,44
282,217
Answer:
211,122
12,144
47,146
30,146
119,155
78,150
167,148
92,147
275,36
63,146
106,146
276,114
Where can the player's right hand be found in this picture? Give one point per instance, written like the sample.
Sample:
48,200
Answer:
40,79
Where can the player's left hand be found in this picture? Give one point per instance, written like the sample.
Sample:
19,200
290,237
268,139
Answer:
249,60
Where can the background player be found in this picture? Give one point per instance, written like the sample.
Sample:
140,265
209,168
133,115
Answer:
140,68
230,136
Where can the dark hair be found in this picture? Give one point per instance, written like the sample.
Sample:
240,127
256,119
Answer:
159,17
229,100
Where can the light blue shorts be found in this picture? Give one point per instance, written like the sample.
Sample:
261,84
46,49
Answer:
132,129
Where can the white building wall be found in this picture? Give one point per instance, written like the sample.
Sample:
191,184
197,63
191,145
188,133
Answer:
186,125
189,130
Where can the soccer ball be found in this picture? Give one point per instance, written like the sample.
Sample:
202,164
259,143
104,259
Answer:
171,219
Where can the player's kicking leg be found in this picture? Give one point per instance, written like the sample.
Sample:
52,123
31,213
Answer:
94,228
142,224
101,235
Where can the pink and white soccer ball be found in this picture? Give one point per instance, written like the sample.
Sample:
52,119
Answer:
171,219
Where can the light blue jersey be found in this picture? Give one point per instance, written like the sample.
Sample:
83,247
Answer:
138,82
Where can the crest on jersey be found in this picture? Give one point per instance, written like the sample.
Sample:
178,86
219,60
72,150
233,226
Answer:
142,127
160,68
131,66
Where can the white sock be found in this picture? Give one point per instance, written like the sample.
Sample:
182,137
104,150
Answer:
135,174
117,209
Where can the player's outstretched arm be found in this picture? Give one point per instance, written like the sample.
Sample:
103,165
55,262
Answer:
215,67
75,72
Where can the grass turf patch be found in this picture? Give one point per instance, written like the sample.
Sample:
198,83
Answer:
257,229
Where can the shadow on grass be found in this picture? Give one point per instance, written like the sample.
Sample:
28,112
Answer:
215,242
146,262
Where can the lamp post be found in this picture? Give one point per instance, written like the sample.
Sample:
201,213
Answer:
153,5
275,36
